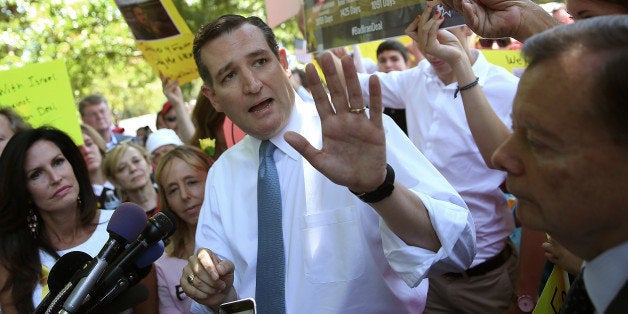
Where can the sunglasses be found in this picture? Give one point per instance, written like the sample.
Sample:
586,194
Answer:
170,119
501,42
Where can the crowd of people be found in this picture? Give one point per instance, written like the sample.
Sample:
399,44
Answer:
352,210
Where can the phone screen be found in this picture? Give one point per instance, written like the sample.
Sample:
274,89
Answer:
244,306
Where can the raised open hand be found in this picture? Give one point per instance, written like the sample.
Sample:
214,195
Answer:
354,146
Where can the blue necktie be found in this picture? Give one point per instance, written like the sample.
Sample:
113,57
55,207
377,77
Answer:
269,291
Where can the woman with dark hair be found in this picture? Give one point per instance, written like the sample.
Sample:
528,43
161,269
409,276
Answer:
181,176
209,123
47,208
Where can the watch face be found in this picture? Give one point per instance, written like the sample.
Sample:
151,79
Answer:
526,303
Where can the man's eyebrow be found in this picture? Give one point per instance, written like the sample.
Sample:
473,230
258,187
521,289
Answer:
543,132
224,69
253,54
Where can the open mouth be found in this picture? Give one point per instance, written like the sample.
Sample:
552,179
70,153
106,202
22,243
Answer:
261,106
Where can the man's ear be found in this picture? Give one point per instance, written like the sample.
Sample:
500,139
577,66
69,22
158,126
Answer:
283,59
211,95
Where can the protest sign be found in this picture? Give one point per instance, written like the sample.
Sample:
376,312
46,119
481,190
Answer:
163,37
42,95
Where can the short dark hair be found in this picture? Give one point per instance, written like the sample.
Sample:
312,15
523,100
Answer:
222,25
605,38
89,100
393,45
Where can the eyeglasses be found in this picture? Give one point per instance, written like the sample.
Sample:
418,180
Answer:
170,119
501,42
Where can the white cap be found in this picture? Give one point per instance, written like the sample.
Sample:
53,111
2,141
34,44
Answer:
162,137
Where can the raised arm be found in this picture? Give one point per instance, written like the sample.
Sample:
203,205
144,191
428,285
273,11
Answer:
355,157
519,19
175,97
487,128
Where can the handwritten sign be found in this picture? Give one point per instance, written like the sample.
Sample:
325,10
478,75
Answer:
172,57
163,37
42,95
509,59
337,23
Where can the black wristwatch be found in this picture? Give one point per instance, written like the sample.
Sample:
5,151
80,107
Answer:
383,191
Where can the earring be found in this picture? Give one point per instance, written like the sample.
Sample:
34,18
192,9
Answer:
33,224
79,204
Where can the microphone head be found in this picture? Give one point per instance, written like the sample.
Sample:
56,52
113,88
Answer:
151,254
160,226
62,271
127,221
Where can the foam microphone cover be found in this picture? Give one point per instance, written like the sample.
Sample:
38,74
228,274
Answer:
60,275
151,254
127,221
64,268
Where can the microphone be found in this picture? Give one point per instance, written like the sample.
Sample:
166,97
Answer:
157,228
60,274
121,290
128,299
125,224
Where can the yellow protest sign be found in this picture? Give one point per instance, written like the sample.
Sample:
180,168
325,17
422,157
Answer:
172,57
163,37
509,59
42,95
554,292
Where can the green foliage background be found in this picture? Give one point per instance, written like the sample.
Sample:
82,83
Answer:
99,48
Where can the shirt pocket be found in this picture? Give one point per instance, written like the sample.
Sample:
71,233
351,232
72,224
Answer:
334,246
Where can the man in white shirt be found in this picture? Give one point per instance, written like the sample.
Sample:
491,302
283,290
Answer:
341,254
567,157
437,125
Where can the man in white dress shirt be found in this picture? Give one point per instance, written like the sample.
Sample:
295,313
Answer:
438,127
341,253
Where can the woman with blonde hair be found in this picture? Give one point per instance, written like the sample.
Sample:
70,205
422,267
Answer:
181,176
93,150
127,165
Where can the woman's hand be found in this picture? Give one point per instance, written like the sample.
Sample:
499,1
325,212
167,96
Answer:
432,40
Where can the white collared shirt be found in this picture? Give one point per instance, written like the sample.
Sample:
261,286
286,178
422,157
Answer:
437,125
605,275
340,256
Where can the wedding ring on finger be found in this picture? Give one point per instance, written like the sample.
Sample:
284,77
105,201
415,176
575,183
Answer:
357,110
190,278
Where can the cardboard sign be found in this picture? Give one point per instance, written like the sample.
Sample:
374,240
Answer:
42,95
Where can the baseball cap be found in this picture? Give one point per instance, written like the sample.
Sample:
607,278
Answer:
162,137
